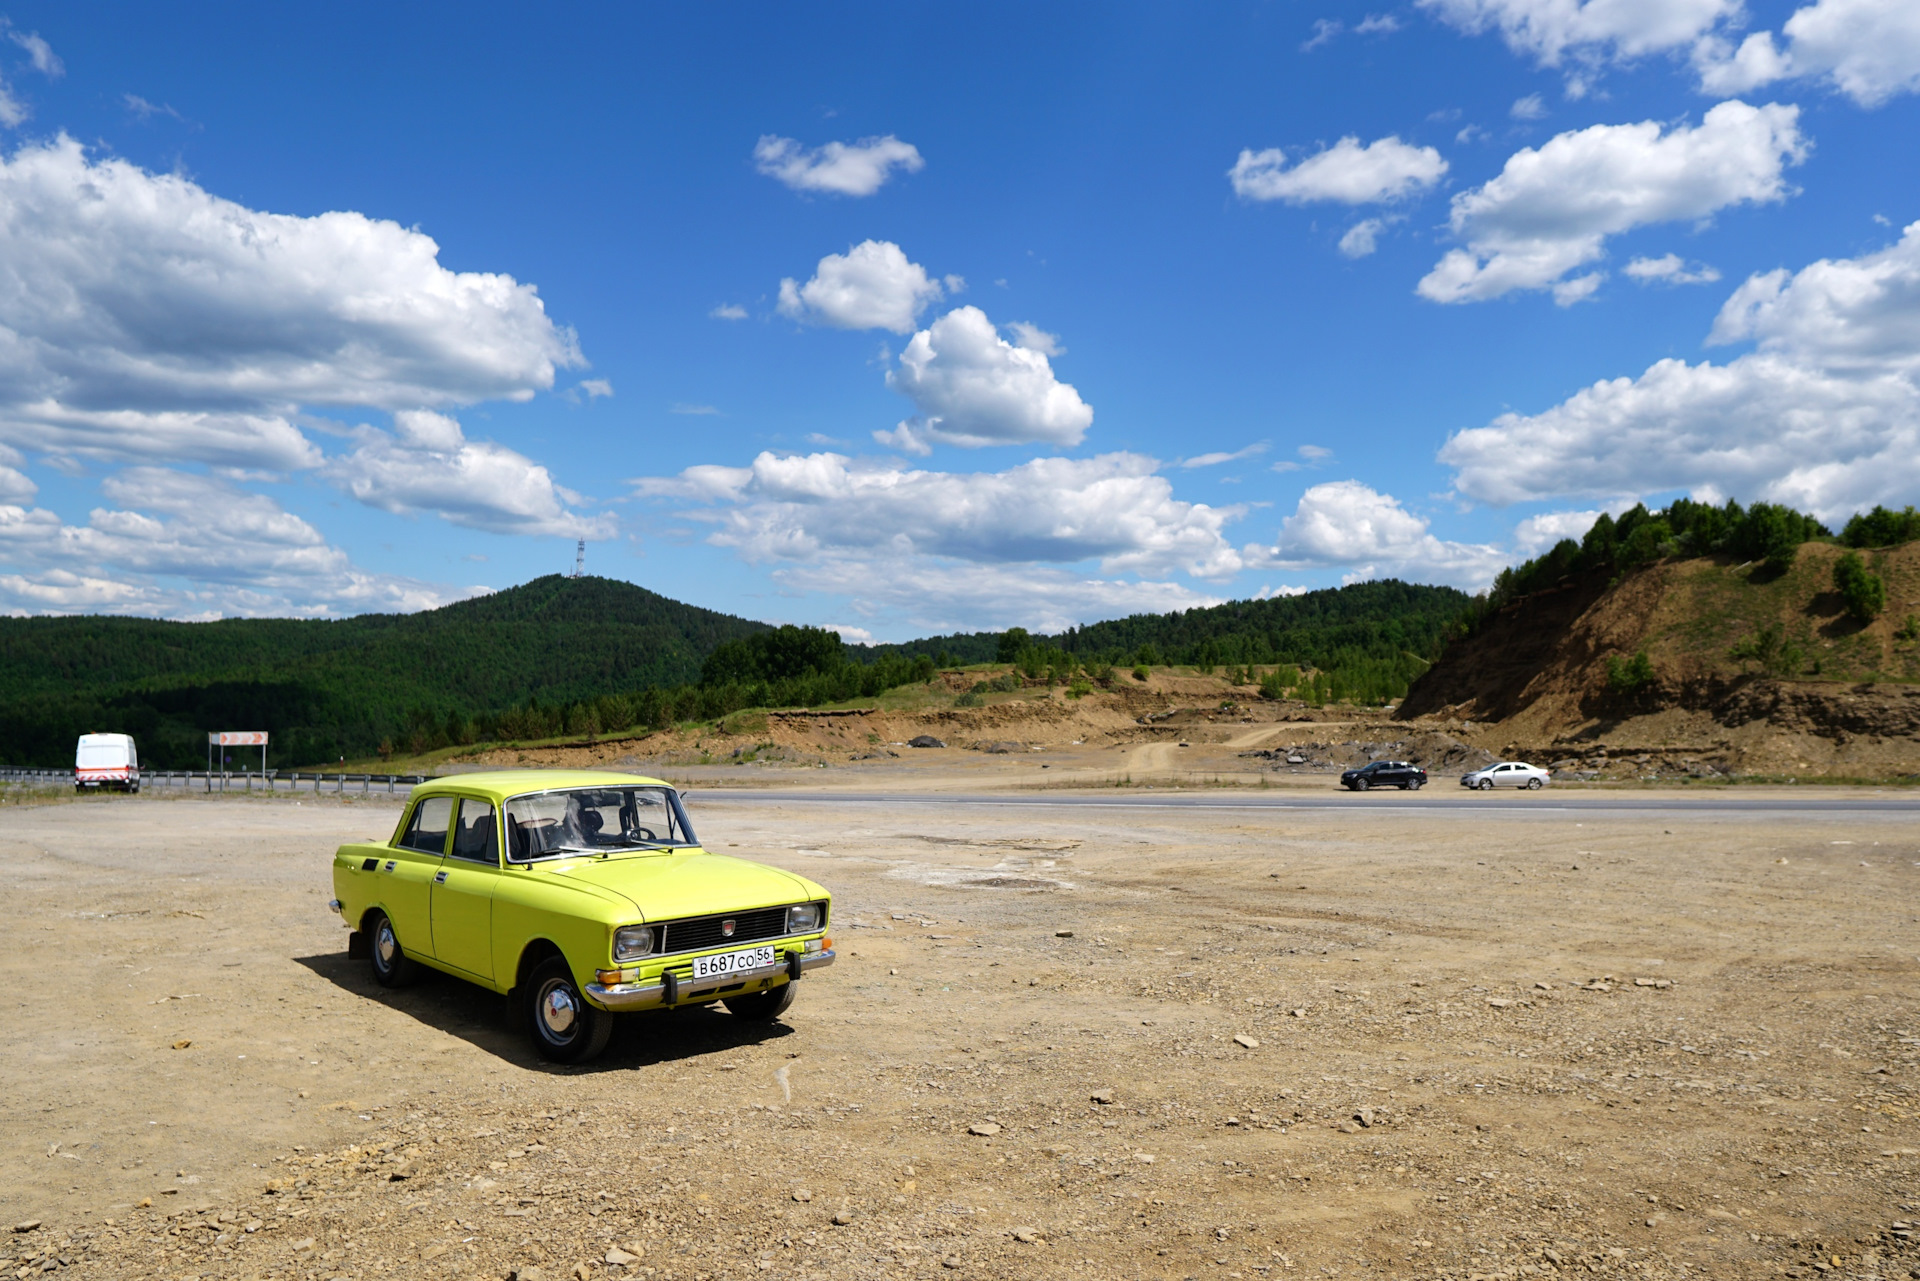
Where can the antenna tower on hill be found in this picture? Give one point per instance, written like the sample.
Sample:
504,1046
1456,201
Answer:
580,559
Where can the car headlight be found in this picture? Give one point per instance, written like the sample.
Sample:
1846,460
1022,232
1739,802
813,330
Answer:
631,942
803,918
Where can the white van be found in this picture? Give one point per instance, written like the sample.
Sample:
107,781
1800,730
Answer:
106,760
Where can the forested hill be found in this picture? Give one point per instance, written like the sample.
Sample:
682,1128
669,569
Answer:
334,686
1336,627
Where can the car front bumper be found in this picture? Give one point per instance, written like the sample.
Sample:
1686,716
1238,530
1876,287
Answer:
670,989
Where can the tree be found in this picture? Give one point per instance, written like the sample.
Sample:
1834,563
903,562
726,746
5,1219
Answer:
1864,591
1012,641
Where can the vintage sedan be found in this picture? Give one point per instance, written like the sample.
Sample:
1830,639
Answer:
578,894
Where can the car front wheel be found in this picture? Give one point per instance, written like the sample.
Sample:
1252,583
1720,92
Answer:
763,1007
564,1028
1486,785
1361,785
392,967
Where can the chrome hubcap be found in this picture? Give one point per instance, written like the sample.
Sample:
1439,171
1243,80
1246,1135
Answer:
385,945
558,1011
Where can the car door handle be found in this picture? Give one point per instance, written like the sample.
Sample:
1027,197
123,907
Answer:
439,878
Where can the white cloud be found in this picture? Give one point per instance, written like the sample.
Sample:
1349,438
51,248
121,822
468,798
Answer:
1269,592
143,318
16,488
1377,24
729,311
1825,414
1034,338
697,411
1867,49
1591,31
428,464
40,53
1324,30
1551,210
1528,108
850,634
1536,534
592,388
1362,238
1670,269
871,286
1346,524
1580,288
1314,453
147,110
974,388
1347,172
1115,509
1215,459
844,169
182,545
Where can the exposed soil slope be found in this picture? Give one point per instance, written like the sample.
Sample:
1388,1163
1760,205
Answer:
1834,695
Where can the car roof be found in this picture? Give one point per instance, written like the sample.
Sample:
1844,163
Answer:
502,784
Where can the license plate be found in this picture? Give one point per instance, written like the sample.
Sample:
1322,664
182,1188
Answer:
713,967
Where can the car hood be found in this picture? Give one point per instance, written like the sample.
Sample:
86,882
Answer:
664,887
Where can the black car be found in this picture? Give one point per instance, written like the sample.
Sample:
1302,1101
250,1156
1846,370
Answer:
1384,774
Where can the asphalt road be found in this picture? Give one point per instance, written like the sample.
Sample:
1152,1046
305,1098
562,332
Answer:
1426,802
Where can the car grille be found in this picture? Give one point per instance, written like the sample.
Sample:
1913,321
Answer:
704,931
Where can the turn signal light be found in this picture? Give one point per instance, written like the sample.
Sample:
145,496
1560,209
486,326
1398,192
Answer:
607,978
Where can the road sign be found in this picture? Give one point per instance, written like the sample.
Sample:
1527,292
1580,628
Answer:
238,738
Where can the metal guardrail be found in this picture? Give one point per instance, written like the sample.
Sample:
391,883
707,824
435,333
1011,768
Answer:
240,781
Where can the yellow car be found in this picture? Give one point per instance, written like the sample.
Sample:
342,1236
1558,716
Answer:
578,894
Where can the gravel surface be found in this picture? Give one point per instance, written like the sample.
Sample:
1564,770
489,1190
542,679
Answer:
1086,1043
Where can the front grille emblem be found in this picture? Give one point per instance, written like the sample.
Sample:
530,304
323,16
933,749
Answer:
727,928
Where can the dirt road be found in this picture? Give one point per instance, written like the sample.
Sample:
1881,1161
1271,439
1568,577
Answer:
1060,1042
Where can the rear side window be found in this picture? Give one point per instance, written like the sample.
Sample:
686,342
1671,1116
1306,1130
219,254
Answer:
473,835
427,829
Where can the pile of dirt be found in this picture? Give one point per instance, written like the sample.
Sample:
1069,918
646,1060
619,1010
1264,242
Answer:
1745,672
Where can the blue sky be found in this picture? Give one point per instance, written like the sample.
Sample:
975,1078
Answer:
1086,311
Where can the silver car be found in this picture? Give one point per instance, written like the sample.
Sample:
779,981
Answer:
1508,774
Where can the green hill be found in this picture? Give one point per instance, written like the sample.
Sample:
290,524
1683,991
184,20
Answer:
582,656
339,687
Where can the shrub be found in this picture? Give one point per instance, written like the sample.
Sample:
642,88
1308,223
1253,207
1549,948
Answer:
1140,672
1275,684
1627,675
1080,688
1909,630
1771,649
1864,591
969,699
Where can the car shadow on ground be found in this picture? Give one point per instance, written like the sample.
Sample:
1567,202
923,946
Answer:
484,1020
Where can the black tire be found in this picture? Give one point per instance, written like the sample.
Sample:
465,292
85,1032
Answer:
1486,785
763,1007
1361,784
391,965
562,1026
1533,785
1419,783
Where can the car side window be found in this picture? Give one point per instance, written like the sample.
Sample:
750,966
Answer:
427,830
473,835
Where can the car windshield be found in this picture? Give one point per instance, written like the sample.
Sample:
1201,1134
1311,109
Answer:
595,820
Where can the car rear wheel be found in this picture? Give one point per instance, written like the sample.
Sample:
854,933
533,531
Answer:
1533,785
392,967
763,1007
564,1028
1419,783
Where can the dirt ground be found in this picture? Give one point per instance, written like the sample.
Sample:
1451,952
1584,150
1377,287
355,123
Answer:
1396,1038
